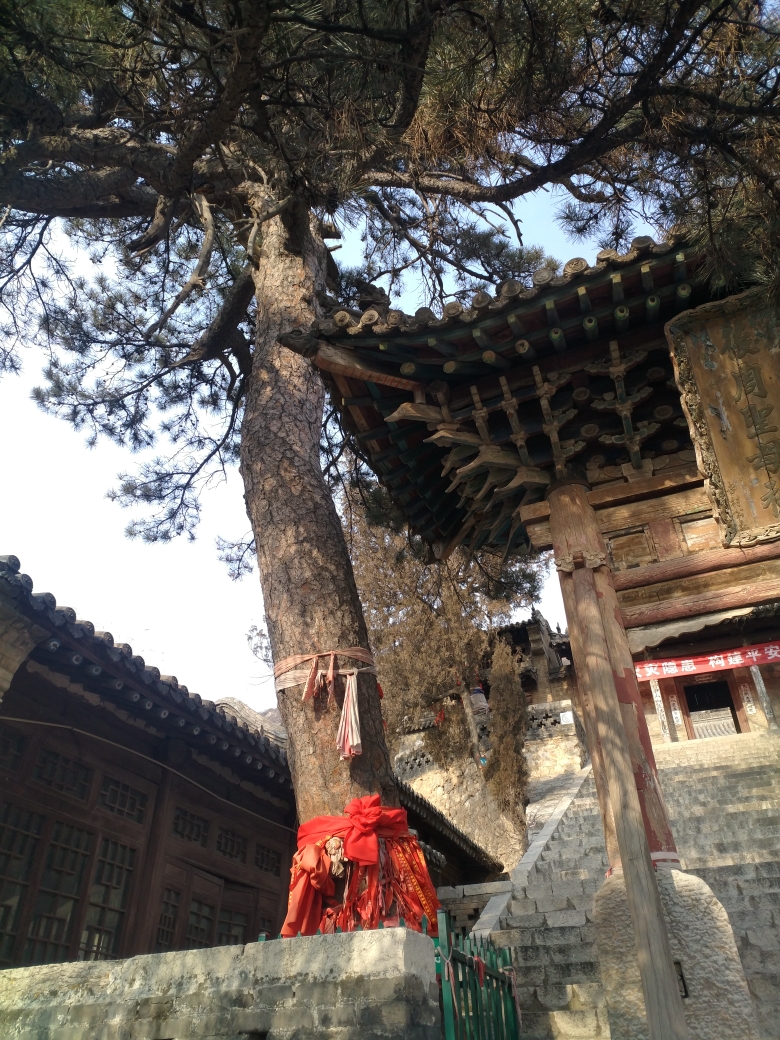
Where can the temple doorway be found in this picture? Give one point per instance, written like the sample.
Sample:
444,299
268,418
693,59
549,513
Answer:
711,709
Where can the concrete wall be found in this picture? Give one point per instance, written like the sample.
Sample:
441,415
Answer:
357,986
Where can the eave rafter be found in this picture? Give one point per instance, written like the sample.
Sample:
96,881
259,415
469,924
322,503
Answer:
469,415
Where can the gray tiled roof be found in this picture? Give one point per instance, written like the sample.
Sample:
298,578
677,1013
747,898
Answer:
125,676
228,730
466,414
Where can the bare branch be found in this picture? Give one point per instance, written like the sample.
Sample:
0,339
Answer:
158,228
222,334
197,278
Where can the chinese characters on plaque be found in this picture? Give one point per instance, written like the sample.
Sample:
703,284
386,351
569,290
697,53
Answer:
674,704
747,698
727,360
745,657
659,709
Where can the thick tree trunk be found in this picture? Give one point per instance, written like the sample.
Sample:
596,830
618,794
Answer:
311,601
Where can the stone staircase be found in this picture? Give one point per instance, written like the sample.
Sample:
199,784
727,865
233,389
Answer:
723,796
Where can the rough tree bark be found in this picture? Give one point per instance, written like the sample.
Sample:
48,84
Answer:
311,601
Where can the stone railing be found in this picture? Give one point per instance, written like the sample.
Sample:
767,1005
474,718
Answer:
465,903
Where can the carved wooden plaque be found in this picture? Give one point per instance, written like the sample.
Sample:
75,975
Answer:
726,358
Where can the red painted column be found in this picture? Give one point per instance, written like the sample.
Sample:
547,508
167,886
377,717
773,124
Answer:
578,544
635,806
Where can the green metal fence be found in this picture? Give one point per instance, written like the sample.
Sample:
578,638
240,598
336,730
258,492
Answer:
477,988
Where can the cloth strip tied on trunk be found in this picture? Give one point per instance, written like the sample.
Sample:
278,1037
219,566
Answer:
288,673
386,872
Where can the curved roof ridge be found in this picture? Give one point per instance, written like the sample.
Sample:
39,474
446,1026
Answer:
42,607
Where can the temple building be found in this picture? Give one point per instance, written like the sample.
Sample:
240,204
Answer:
624,414
471,417
136,817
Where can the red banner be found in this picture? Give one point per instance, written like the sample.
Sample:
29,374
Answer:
762,653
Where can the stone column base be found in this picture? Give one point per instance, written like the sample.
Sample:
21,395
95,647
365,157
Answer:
718,1005
356,986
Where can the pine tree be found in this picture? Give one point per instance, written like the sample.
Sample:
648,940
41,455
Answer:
434,626
201,154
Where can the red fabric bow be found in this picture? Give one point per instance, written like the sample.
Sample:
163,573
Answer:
365,821
401,879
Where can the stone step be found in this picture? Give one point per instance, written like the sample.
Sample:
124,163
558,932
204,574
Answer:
696,863
591,856
593,873
568,1024
700,848
577,958
707,767
758,823
704,779
731,801
739,872
766,817
550,935
701,812
682,794
723,797
563,1011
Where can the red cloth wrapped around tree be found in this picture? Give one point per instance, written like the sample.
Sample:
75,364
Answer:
387,876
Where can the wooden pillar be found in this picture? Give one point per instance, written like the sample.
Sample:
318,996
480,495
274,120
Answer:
588,711
763,696
659,832
145,935
603,663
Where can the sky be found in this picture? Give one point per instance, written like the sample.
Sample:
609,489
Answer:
174,603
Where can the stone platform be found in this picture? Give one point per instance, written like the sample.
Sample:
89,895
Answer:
378,985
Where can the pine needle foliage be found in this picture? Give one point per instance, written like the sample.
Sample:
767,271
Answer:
431,624
155,139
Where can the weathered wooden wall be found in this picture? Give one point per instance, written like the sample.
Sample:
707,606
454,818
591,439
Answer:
666,550
113,847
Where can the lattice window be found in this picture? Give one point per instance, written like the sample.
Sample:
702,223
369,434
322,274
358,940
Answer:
231,844
200,925
107,902
268,860
123,800
231,928
265,925
49,931
11,747
190,827
169,915
20,831
62,774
